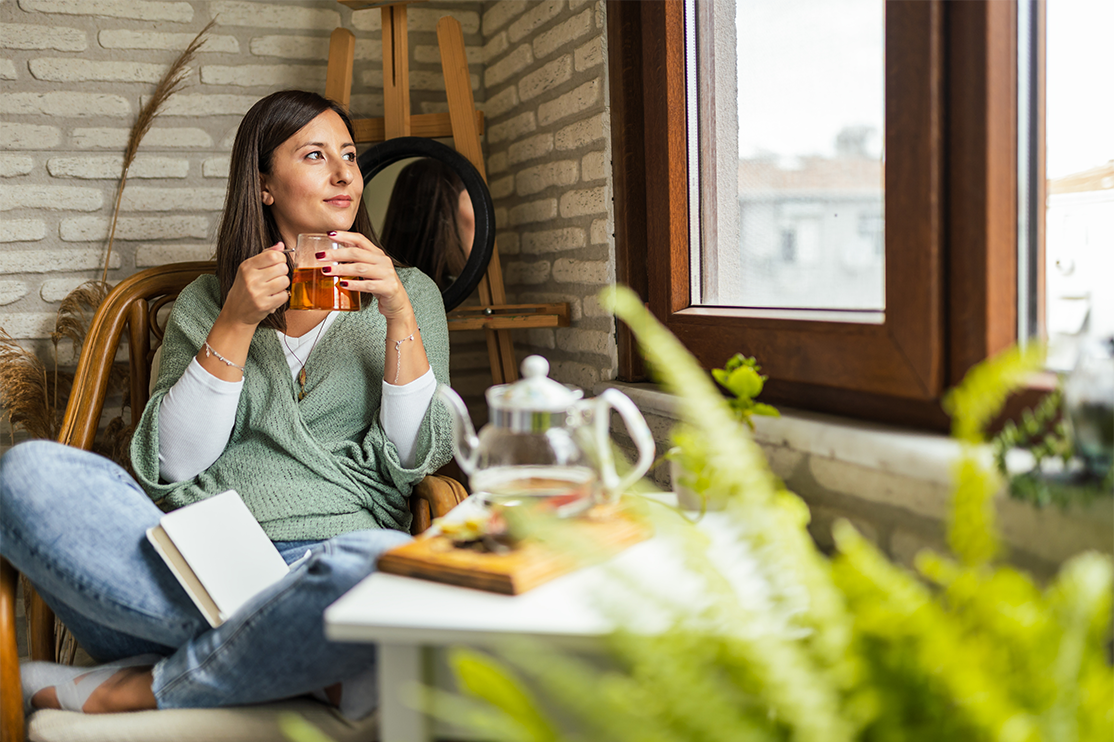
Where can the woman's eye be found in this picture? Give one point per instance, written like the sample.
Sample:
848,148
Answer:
314,156
350,156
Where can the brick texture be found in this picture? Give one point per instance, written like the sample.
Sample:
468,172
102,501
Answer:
136,10
547,129
76,72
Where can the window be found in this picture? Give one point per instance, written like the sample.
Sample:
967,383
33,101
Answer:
1066,144
798,153
943,244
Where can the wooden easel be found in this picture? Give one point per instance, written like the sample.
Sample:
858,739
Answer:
464,124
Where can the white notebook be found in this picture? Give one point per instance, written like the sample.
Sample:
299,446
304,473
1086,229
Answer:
219,552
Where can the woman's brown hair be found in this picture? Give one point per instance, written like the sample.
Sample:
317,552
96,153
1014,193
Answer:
420,227
247,226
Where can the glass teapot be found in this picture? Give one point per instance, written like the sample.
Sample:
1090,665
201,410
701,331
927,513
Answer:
545,444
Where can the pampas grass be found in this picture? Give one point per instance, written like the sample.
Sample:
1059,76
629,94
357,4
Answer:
25,390
76,312
170,84
34,398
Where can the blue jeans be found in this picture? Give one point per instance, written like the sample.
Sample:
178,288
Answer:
75,524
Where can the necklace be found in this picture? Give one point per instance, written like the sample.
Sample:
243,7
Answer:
302,372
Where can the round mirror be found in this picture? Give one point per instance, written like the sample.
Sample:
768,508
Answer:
431,209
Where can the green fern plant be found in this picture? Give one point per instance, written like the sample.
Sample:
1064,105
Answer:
851,648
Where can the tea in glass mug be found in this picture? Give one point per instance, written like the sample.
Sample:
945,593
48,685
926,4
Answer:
311,288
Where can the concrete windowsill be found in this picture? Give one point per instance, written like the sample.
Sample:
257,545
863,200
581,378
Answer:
894,483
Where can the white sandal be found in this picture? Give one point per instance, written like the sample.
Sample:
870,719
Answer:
72,693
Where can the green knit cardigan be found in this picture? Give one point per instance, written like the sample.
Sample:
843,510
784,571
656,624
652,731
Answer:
316,468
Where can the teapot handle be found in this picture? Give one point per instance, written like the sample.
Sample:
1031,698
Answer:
466,445
639,433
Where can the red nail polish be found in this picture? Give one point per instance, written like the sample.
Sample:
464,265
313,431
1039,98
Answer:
327,269
332,234
344,284
319,255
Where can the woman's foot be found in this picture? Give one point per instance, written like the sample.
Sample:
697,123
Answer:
119,686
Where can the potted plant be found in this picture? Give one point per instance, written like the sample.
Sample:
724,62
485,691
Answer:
742,381
851,647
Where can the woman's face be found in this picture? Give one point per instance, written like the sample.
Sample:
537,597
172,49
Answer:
466,221
315,183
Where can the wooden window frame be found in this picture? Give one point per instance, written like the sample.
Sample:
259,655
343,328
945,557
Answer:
950,200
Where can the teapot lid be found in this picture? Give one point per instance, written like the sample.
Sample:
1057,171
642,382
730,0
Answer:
534,392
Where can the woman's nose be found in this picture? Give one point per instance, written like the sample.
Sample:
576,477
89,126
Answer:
345,171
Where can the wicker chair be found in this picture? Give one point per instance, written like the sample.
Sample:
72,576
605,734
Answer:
135,304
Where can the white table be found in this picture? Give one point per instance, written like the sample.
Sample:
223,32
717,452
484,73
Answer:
405,615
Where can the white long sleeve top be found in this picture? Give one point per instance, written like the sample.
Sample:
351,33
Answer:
198,412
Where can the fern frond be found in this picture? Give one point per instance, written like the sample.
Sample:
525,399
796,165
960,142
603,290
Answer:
972,527
740,476
985,388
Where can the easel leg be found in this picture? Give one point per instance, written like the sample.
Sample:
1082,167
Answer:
396,72
338,75
458,90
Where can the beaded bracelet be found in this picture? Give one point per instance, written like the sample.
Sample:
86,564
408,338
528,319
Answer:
398,354
211,351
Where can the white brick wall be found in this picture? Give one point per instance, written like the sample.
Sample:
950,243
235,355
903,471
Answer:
549,161
139,10
175,42
12,165
109,166
81,70
77,72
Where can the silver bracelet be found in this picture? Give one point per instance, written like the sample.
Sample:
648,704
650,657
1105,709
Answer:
398,354
211,351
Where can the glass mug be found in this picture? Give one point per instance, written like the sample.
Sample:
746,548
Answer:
312,289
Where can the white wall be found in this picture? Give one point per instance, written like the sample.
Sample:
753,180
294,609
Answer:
549,168
74,76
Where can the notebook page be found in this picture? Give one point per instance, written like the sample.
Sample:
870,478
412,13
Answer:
226,548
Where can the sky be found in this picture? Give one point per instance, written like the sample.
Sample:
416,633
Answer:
815,66
1080,85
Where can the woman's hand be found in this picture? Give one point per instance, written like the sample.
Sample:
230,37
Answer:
260,287
368,269
364,267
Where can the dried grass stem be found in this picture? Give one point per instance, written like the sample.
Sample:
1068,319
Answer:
170,84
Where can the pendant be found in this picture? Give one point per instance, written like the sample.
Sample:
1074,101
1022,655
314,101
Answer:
302,384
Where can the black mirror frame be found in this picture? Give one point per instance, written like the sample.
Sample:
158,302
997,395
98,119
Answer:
381,155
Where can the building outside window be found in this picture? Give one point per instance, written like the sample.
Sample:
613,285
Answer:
1079,195
810,165
862,205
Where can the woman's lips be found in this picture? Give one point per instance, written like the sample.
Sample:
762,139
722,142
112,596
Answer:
339,200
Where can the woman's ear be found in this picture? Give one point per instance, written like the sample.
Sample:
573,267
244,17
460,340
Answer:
268,199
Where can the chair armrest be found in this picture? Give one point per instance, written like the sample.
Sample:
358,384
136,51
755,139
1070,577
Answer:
11,696
432,498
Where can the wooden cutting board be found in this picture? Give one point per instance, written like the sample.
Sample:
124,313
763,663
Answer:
606,531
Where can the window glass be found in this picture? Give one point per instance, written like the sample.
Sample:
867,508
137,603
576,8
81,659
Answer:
1079,221
806,226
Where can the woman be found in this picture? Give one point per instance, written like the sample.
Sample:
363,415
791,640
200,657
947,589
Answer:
320,420
429,222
